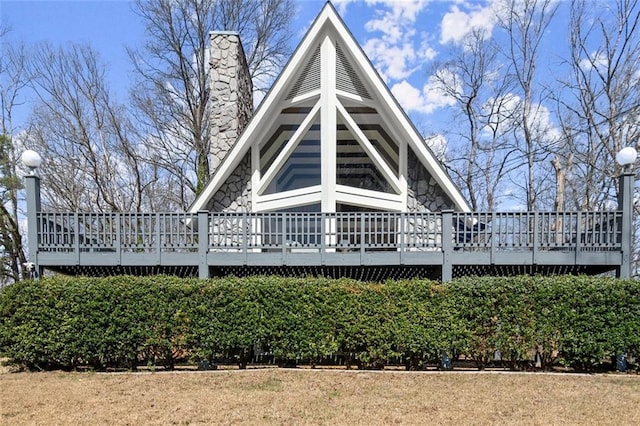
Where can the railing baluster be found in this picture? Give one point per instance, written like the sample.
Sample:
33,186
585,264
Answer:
323,239
593,226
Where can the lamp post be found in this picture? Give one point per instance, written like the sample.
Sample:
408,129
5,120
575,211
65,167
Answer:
626,158
32,161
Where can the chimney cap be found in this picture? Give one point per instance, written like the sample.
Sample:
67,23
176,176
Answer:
212,33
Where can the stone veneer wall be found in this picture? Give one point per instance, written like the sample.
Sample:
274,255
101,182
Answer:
235,194
425,195
231,108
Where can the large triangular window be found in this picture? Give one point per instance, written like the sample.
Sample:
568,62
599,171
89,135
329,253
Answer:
366,157
302,168
354,166
290,158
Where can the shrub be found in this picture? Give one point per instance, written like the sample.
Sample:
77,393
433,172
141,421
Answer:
497,314
585,320
426,321
122,322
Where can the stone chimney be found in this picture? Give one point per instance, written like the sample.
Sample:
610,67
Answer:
231,98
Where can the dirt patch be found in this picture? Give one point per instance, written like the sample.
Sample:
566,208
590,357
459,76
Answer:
6,369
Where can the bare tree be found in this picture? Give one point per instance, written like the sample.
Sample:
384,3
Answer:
525,23
92,160
12,251
600,103
12,81
172,93
479,157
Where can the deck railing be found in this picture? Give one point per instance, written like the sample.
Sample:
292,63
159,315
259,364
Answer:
179,232
442,239
592,230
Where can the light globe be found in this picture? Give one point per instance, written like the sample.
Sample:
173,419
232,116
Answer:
31,159
626,156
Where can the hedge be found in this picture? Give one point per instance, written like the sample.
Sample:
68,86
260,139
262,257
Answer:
124,322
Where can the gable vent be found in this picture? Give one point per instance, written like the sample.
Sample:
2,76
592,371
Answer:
346,78
309,79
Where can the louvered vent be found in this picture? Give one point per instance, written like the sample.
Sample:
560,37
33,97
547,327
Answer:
309,80
346,78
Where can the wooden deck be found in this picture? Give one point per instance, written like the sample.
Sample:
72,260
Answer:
363,245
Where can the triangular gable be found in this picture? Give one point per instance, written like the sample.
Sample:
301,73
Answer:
355,86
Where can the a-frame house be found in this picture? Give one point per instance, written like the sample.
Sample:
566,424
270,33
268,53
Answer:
328,177
329,137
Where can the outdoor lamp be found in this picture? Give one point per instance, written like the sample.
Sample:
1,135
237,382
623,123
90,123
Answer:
626,157
31,160
626,182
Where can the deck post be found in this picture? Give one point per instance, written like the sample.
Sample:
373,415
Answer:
245,237
362,237
32,185
447,246
535,239
625,205
76,237
203,244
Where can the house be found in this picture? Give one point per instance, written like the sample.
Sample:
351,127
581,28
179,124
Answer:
330,177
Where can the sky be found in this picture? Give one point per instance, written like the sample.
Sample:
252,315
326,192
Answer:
402,38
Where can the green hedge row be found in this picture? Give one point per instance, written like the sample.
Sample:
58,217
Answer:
127,321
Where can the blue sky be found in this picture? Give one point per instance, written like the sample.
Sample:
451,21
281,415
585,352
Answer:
401,37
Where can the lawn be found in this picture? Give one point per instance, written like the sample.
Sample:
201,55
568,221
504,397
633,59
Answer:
303,396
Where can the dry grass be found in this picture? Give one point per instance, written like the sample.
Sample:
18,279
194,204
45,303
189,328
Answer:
276,396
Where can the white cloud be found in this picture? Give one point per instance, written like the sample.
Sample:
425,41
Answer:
431,97
395,53
545,130
438,145
506,111
397,21
597,60
434,89
458,23
341,5
395,62
408,96
402,8
501,111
